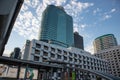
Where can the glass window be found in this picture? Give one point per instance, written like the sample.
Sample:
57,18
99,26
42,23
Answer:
46,47
65,58
70,59
37,51
52,49
70,53
36,58
65,52
75,60
52,55
59,51
75,55
79,56
58,56
38,45
45,53
44,59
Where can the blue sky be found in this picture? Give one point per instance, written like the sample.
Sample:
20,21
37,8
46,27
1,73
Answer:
92,18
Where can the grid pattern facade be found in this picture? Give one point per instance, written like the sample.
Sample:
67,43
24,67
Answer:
41,51
113,56
56,26
104,42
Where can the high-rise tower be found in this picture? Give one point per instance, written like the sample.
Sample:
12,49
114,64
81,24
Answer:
78,41
104,42
56,26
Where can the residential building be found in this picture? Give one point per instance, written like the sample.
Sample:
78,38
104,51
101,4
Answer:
104,42
112,55
78,41
56,26
9,10
40,51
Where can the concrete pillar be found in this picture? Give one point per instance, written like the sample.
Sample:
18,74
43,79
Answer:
18,71
26,72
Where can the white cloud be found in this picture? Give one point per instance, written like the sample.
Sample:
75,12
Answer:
108,15
74,7
105,17
96,11
76,29
83,25
113,10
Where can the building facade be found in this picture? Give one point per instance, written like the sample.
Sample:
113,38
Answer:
41,52
78,41
112,55
104,42
56,27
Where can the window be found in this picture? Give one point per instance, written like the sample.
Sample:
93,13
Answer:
52,49
91,63
84,62
45,53
52,55
87,62
38,45
37,51
65,53
95,68
87,58
84,66
70,59
80,61
59,51
44,59
70,53
65,58
88,67
36,58
79,56
58,56
83,57
75,60
46,47
75,55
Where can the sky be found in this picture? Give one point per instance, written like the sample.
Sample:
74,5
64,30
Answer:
91,18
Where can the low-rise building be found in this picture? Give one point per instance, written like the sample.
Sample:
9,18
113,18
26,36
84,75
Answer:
41,52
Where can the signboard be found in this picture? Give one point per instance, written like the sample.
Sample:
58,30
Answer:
73,75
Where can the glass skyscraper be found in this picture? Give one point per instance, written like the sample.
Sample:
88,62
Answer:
56,26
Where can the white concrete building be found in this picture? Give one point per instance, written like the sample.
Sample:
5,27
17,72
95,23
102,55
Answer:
40,51
112,55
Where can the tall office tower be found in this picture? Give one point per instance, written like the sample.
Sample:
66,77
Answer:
9,10
104,42
56,26
112,55
78,41
16,53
